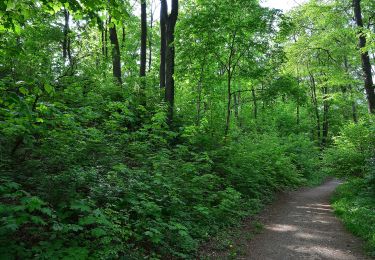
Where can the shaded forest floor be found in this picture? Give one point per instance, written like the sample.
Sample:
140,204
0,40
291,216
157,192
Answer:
298,225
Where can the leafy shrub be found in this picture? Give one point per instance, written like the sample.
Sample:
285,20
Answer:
304,154
353,150
354,202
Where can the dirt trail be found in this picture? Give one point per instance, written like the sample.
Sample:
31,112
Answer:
301,225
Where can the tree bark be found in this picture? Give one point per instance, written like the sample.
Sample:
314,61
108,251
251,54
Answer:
315,104
106,38
116,57
103,39
325,117
150,39
163,41
365,58
66,42
229,82
142,70
123,36
235,104
255,106
170,60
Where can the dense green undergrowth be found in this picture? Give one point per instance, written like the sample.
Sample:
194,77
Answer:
354,203
131,187
352,158
150,200
102,160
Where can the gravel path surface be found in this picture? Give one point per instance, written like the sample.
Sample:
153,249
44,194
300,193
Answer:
301,225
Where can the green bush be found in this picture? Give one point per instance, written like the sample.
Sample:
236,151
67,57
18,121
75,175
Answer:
352,158
158,200
354,203
353,150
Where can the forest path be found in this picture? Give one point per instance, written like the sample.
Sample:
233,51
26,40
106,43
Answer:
301,225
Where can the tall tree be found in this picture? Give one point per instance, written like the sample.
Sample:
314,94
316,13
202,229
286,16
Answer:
325,125
66,41
106,38
142,72
116,57
170,59
150,36
163,42
366,65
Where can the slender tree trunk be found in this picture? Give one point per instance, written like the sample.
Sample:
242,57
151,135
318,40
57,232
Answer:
103,39
150,39
315,104
239,109
298,100
235,104
163,40
170,60
366,65
229,82
262,88
255,106
66,42
116,57
325,117
123,36
142,70
106,38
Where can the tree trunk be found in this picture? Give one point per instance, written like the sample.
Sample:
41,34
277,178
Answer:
255,106
315,104
325,117
235,104
163,40
170,57
142,71
239,109
66,42
103,39
116,57
123,36
365,58
150,39
106,38
229,82
262,88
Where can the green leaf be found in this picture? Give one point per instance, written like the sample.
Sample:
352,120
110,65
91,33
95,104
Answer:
80,205
17,28
23,90
88,220
98,232
11,4
32,203
38,220
49,88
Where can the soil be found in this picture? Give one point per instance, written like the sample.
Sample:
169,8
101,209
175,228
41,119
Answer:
298,225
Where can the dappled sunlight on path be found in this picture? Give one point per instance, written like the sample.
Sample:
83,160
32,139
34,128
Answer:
301,225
